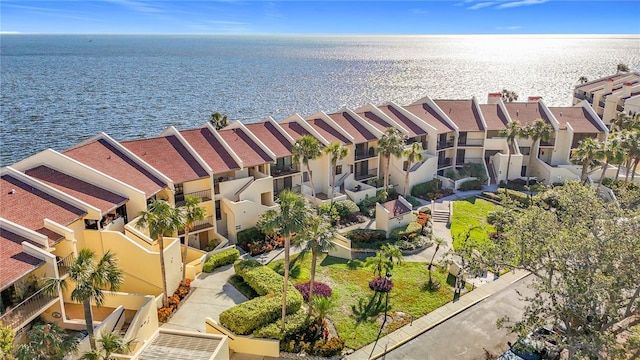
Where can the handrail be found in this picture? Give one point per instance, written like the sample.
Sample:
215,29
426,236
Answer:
243,188
27,308
203,195
65,264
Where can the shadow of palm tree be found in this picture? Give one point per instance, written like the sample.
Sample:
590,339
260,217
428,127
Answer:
364,310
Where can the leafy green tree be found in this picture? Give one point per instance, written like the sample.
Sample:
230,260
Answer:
622,67
336,152
390,144
413,154
611,153
7,335
291,219
512,131
218,120
305,149
191,212
385,259
321,306
538,131
631,144
317,238
509,95
90,277
583,80
586,153
47,342
111,343
161,219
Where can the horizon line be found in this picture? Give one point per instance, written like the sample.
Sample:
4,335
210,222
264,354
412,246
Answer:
332,34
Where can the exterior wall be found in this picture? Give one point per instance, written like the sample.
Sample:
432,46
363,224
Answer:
242,215
499,162
144,323
562,150
550,174
631,105
387,223
357,196
254,192
244,344
341,248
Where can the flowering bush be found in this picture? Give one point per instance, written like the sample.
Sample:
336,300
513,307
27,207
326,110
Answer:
381,284
319,289
182,291
174,300
164,313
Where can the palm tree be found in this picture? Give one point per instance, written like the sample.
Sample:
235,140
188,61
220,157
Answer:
191,212
47,342
622,121
414,154
292,218
393,253
218,120
305,149
391,143
509,95
583,80
631,143
512,131
336,152
90,277
161,219
385,259
318,236
439,241
112,343
622,67
611,152
586,152
537,131
321,306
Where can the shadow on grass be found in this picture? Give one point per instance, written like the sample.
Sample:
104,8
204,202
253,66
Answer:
432,286
243,287
374,307
331,260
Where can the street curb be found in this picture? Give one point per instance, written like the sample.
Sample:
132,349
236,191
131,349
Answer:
409,338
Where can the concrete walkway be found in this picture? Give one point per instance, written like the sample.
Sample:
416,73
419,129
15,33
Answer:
408,332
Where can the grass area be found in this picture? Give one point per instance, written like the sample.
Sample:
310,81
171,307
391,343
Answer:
471,214
358,306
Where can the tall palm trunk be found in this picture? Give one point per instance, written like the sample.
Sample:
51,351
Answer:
387,160
88,318
583,174
287,245
333,188
604,170
184,253
635,167
165,296
314,260
628,168
618,172
313,188
509,146
406,179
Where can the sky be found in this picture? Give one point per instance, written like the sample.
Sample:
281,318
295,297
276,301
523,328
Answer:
320,17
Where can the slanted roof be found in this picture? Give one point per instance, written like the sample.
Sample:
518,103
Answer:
430,116
248,150
375,120
106,158
353,127
526,112
210,149
579,118
395,208
463,113
294,129
169,156
495,118
395,115
271,138
327,131
91,194
27,206
14,263
590,86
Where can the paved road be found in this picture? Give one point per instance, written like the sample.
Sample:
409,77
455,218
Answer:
464,336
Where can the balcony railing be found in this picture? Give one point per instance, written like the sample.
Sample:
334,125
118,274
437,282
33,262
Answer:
65,264
27,309
207,223
361,155
442,163
471,142
203,195
277,171
445,145
368,175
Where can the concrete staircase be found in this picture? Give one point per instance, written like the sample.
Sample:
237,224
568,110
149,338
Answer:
441,213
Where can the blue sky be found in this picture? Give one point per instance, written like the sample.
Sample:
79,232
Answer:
321,17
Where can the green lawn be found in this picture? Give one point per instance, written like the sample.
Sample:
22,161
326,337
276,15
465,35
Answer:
471,214
350,283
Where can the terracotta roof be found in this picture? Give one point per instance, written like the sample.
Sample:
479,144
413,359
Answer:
526,112
294,129
375,120
328,132
430,116
413,128
600,83
93,195
248,150
353,127
463,113
14,263
104,157
27,206
577,116
396,208
169,156
210,149
495,118
271,138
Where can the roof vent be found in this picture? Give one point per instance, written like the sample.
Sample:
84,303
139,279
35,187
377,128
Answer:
517,112
560,113
12,191
108,156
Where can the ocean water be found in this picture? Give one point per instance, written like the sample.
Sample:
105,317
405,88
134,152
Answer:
57,90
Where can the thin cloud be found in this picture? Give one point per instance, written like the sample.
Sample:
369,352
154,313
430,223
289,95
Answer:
67,14
139,6
481,5
520,3
516,27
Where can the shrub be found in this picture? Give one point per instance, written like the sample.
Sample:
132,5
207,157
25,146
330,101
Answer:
607,182
381,284
293,324
164,313
182,291
406,232
222,258
347,209
521,198
331,212
413,201
421,190
366,235
331,347
471,185
492,196
419,242
250,235
319,289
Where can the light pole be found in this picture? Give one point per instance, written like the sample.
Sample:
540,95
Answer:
386,306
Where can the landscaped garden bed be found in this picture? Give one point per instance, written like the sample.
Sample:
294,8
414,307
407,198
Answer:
430,190
164,313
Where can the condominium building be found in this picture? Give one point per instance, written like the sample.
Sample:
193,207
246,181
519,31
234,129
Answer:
611,95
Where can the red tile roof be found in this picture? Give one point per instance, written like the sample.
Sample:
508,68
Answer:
526,112
396,208
248,150
27,206
495,118
328,132
169,156
81,190
413,128
430,116
104,157
210,149
463,113
14,263
353,127
375,120
600,83
271,138
294,129
578,117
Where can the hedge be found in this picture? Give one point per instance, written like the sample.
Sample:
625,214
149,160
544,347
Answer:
471,185
222,258
249,235
250,315
346,209
293,324
521,198
422,189
409,231
366,235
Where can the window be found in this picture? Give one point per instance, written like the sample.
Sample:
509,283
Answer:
338,169
305,177
218,211
525,150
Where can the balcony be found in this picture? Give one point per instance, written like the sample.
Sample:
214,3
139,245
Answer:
27,310
207,223
443,163
279,171
218,180
371,173
203,195
65,264
445,145
471,142
362,155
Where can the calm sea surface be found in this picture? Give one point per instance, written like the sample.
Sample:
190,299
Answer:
57,90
